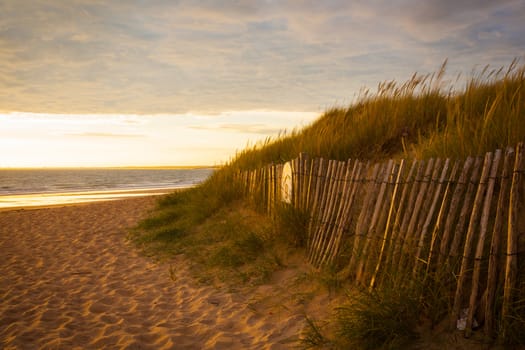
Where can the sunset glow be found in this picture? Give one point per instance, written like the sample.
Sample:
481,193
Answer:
112,83
57,140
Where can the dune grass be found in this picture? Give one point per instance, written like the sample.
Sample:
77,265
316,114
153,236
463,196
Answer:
384,318
423,117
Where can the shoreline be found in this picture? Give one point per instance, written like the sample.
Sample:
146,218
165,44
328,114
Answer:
59,199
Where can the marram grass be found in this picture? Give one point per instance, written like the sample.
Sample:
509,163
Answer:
423,117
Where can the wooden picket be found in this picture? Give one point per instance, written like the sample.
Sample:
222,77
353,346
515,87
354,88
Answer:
433,218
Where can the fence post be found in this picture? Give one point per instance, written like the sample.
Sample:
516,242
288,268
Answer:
497,232
458,298
442,209
481,242
511,270
387,225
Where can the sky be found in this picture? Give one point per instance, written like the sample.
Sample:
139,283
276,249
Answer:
176,82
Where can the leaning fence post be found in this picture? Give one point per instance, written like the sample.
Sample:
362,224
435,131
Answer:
497,232
465,259
481,242
511,271
387,226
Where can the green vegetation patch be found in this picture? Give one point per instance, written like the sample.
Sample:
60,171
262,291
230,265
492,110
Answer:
232,243
368,319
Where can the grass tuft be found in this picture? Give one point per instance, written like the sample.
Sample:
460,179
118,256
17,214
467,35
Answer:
291,223
312,336
378,319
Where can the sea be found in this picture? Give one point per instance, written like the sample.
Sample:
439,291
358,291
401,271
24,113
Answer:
45,187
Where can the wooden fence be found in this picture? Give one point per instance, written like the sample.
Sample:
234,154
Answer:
459,223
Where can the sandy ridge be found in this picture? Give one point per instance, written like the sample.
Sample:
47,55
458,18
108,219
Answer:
69,279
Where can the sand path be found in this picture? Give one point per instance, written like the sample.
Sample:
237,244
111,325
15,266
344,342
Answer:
69,279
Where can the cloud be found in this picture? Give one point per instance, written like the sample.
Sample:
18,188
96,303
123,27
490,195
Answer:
437,20
104,135
165,56
84,120
261,129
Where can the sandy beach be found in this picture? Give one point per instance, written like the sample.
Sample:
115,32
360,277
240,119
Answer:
70,279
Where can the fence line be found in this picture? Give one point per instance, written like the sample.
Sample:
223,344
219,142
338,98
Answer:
459,222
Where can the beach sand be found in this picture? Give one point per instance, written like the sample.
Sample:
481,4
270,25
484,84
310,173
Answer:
70,279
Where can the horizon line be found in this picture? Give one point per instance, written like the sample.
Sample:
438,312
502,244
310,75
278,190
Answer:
160,167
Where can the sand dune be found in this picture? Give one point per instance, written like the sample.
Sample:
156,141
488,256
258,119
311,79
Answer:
69,279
